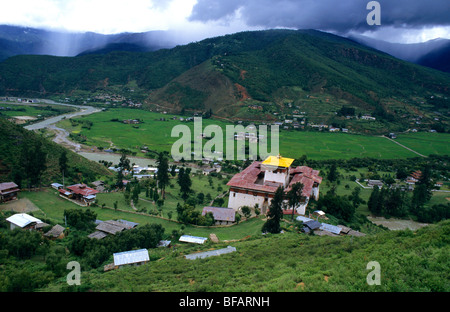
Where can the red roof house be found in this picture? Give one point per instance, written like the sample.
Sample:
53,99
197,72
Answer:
251,186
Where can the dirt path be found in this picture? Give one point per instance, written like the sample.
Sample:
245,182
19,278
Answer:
405,147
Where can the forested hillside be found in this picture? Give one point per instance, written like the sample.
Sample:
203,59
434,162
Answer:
266,69
31,160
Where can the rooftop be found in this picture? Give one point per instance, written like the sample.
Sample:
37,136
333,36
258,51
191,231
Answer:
278,161
251,178
220,214
130,257
82,189
22,219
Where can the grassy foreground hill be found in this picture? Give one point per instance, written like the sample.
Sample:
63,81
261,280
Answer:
291,262
248,75
16,144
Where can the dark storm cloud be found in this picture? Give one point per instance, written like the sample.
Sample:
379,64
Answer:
337,15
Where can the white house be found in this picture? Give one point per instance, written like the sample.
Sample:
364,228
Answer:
258,183
23,220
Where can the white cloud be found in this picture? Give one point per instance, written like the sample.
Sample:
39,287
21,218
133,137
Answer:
405,35
102,16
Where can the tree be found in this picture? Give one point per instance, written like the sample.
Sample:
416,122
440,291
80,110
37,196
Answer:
162,176
246,211
338,206
333,173
80,219
33,160
135,195
172,170
275,213
422,191
184,180
295,196
374,201
124,162
119,182
355,198
63,166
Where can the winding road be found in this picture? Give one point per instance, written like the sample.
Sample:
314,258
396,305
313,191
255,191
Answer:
61,134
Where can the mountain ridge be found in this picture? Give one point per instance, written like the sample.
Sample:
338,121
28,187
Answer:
268,69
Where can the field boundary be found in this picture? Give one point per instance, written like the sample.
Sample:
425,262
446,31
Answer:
409,149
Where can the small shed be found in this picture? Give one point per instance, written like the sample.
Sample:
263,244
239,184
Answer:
330,228
56,232
164,243
192,239
133,257
312,225
206,254
57,186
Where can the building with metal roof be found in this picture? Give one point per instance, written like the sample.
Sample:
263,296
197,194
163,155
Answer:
330,228
135,257
192,239
206,254
22,220
222,216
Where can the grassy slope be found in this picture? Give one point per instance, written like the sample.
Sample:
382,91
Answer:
291,262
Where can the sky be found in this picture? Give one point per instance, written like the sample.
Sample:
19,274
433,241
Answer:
404,21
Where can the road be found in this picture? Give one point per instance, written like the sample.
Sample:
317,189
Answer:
62,136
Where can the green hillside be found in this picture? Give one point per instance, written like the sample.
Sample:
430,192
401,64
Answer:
290,262
22,150
249,75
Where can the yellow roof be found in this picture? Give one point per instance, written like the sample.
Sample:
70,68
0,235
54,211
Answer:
278,161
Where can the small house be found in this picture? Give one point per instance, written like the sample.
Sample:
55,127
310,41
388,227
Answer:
222,216
8,191
132,257
23,221
111,227
83,193
311,226
56,232
373,183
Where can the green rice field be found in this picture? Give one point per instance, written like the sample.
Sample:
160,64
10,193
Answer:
155,133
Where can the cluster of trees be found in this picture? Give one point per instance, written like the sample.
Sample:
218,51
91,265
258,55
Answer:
188,215
394,202
80,219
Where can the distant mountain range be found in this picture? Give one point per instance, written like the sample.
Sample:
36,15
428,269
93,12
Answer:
16,40
254,75
31,41
433,53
